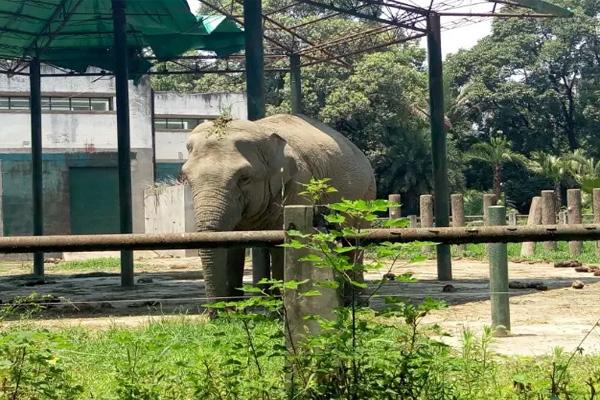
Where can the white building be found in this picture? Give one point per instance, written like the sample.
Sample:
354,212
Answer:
79,131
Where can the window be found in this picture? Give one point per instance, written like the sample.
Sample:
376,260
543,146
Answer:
58,103
177,124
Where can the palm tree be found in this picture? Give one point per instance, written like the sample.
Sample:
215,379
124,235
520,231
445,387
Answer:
555,168
497,152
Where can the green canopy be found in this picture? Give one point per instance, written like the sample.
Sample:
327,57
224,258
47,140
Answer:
75,34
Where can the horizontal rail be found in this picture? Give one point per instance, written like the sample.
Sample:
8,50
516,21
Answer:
207,240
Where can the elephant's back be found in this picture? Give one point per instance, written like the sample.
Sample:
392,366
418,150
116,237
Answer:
328,153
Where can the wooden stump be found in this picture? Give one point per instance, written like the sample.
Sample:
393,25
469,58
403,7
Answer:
574,217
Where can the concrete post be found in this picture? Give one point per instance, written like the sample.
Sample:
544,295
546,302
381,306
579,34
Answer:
596,206
549,214
414,223
498,259
297,307
562,218
489,199
394,212
512,218
574,217
534,218
426,209
457,202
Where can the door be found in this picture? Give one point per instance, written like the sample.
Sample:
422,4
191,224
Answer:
94,200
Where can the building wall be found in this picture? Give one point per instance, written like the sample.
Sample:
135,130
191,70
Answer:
75,130
87,138
170,144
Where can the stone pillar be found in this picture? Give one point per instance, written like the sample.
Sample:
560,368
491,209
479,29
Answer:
562,218
596,205
426,208
414,223
534,218
512,218
498,259
394,211
574,217
489,199
457,203
549,214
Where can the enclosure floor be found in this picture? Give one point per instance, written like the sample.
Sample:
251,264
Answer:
541,320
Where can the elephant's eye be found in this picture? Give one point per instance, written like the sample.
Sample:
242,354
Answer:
189,147
245,180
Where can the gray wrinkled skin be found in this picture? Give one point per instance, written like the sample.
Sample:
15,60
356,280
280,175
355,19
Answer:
243,174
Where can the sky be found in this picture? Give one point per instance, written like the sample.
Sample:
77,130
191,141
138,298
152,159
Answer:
464,37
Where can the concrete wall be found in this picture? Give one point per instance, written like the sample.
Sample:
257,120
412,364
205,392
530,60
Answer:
200,104
168,209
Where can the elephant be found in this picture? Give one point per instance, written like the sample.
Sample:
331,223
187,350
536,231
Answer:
243,172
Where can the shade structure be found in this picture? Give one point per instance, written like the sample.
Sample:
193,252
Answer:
76,34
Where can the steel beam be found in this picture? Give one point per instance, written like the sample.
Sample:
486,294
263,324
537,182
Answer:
255,88
123,131
295,83
35,83
438,142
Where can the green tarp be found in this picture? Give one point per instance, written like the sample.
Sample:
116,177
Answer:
75,34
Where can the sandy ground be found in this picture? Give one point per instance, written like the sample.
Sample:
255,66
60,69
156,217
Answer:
170,287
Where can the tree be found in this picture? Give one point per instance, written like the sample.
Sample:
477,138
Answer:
496,152
555,168
535,79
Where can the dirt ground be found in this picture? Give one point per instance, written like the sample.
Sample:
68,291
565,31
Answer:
169,287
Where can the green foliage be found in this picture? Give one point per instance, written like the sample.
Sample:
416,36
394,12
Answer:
30,367
317,189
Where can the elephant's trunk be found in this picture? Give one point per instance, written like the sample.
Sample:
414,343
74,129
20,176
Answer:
213,212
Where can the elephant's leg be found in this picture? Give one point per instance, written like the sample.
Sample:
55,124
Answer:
261,264
277,255
235,271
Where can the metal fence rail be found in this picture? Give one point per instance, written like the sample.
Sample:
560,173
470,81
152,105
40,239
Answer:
463,235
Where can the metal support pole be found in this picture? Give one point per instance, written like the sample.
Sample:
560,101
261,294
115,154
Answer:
438,142
123,140
498,259
35,82
255,88
255,74
295,83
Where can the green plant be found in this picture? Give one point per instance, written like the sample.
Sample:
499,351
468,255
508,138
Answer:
31,369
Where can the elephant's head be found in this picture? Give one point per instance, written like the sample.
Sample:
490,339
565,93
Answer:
237,172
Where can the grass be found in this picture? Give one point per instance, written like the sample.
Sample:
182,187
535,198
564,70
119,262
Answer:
92,264
589,254
184,360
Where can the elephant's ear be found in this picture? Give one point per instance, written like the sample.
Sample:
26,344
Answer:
281,162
